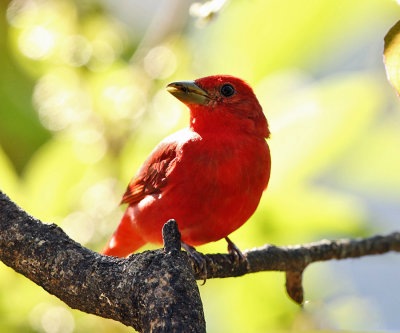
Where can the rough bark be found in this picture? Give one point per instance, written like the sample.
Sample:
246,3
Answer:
294,259
153,291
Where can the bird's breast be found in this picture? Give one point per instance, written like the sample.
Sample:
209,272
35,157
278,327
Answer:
225,169
213,187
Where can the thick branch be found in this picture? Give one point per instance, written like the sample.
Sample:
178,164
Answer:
151,291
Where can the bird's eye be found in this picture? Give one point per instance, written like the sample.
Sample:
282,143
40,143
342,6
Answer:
227,90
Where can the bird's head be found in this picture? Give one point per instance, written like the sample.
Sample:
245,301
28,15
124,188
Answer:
223,103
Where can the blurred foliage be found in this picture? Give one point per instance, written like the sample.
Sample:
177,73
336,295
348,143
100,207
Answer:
18,118
83,103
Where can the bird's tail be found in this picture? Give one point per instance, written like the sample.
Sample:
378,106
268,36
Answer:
126,239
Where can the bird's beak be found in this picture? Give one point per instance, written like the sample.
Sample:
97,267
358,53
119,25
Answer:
189,92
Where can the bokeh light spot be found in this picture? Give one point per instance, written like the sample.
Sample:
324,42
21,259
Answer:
61,101
47,318
89,146
79,226
126,102
160,62
36,42
57,319
76,50
21,13
101,199
167,111
103,56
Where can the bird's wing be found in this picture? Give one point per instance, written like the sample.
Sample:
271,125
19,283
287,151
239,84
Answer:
152,176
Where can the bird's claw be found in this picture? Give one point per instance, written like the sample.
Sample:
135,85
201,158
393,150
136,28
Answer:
235,252
198,260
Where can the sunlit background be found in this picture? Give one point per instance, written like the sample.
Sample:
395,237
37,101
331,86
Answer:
83,101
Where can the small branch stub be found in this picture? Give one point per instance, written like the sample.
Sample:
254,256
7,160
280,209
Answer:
171,237
294,286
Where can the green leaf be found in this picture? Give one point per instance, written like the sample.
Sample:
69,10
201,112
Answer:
391,56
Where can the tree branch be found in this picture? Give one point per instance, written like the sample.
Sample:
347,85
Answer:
154,290
294,259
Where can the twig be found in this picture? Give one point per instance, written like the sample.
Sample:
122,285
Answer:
294,259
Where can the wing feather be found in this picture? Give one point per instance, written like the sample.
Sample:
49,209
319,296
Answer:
152,176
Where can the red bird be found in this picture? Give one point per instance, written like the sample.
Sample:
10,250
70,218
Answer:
209,177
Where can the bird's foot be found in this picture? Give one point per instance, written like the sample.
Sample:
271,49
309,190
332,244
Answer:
235,252
198,259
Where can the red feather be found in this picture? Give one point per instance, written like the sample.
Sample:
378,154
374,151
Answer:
152,176
208,177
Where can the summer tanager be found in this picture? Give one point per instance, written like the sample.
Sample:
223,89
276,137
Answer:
209,177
